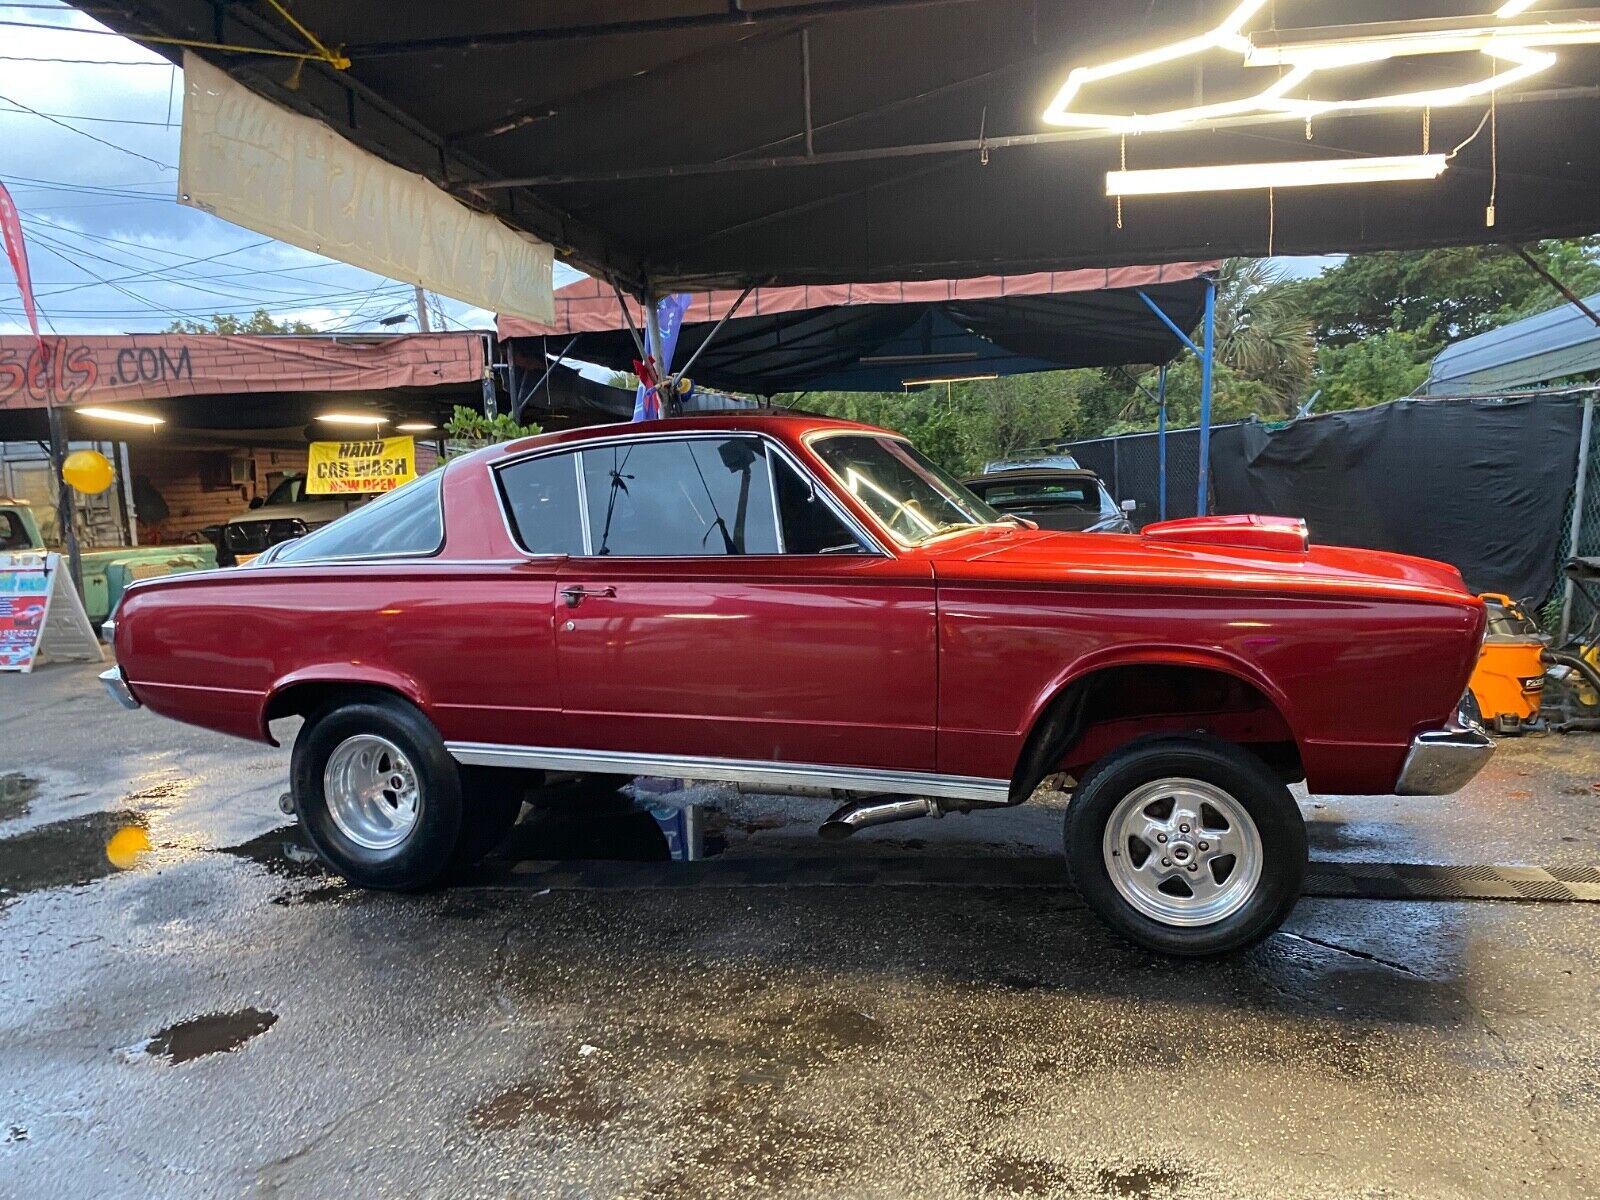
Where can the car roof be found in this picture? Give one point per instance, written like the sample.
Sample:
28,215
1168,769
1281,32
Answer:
1033,475
777,422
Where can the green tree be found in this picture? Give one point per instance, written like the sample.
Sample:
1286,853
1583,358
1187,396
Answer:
1445,295
1263,336
261,322
1374,370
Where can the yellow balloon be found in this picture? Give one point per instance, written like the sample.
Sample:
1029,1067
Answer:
89,471
126,845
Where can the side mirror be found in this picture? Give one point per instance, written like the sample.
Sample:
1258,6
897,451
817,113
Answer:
1129,506
257,502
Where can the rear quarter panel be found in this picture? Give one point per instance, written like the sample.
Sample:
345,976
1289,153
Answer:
1354,678
471,644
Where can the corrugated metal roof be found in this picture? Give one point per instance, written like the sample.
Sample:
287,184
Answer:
1535,350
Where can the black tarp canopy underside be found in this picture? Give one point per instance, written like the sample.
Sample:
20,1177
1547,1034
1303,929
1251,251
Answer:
666,143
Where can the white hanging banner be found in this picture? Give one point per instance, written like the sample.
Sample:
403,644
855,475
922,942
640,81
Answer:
252,162
41,615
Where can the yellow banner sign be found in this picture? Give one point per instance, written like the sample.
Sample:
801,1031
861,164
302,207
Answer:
374,465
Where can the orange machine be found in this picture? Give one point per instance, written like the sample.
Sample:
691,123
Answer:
1508,683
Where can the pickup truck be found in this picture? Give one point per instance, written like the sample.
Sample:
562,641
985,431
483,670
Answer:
106,570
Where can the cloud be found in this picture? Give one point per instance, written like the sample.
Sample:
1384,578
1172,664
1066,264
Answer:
94,212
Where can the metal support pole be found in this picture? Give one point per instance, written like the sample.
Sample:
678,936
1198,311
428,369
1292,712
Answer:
423,325
1207,358
130,513
715,329
1579,486
1161,436
66,505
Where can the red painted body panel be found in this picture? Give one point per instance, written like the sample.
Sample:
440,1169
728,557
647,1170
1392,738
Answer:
932,658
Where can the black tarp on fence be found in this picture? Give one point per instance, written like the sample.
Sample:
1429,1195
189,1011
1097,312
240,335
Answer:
1482,484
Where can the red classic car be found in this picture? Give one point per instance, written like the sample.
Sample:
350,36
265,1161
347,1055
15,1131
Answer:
781,600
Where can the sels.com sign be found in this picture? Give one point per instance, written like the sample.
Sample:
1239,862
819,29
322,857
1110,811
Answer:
373,465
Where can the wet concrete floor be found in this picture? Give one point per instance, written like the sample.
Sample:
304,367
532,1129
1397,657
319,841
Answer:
211,1014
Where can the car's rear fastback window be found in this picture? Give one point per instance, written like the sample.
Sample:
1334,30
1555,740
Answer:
408,521
542,499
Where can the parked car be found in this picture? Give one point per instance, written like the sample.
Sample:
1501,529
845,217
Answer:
1027,460
780,600
105,570
288,511
1054,499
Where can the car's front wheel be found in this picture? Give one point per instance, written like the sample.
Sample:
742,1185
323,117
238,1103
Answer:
1186,845
377,793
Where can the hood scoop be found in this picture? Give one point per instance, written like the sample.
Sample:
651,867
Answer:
1287,535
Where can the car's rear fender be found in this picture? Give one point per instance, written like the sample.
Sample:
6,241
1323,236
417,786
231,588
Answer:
304,691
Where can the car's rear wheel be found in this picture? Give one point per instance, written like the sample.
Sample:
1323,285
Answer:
378,794
1186,845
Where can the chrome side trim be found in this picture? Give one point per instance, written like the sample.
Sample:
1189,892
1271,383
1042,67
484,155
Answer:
734,770
1443,761
118,687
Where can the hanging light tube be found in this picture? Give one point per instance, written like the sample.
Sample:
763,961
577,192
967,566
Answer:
910,383
123,415
1246,176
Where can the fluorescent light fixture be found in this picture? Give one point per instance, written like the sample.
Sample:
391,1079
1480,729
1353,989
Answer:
946,379
338,418
126,416
415,427
1245,176
1513,8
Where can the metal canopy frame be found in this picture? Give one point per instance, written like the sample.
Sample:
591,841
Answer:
873,139
1206,352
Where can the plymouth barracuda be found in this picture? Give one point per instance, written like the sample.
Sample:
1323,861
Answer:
780,600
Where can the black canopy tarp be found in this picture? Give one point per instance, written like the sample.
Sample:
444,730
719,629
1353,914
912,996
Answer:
685,144
876,338
1481,484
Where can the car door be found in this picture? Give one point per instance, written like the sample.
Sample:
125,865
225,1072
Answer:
704,624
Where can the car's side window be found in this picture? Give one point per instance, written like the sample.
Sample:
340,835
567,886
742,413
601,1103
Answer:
693,497
541,495
810,526
408,521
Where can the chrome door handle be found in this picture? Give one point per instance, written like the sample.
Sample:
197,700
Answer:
575,595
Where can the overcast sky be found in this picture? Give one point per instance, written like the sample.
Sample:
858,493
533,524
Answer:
96,182
95,178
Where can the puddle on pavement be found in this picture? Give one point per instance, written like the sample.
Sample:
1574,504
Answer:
16,795
214,1033
283,852
571,1102
65,853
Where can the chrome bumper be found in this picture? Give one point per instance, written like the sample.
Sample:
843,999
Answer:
118,687
1443,761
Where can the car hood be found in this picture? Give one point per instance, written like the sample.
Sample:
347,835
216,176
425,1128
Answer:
312,512
1157,558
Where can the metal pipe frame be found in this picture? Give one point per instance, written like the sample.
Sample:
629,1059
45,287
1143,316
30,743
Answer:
1575,533
1206,352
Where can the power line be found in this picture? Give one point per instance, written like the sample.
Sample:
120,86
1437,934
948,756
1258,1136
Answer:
86,133
81,62
84,117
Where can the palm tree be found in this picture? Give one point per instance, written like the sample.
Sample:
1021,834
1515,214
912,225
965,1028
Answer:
1261,333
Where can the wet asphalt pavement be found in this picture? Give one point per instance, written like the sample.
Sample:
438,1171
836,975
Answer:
219,1017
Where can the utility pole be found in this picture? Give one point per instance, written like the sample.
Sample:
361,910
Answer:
66,506
422,311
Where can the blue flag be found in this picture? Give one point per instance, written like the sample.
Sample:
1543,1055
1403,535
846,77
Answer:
647,404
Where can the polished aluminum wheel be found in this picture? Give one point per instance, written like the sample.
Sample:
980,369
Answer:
372,791
1183,852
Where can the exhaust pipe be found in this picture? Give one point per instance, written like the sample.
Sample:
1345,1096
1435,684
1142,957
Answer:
861,814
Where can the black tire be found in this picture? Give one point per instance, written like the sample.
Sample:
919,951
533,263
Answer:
1232,770
428,849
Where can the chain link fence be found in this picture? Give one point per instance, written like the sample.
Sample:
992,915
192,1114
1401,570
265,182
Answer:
1570,612
1130,466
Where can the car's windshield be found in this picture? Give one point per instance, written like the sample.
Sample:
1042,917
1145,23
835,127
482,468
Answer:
289,491
1072,494
915,499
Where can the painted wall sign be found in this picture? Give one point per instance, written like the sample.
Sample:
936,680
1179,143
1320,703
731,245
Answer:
103,370
373,465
